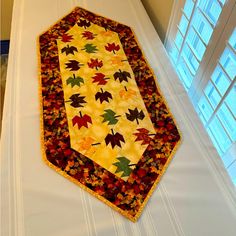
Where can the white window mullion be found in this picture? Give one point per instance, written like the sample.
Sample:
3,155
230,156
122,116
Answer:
220,3
231,48
206,17
193,51
199,35
234,116
216,88
220,103
179,30
187,64
223,69
226,131
189,24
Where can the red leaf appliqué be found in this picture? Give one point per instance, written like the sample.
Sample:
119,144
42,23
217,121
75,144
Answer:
95,63
111,47
100,79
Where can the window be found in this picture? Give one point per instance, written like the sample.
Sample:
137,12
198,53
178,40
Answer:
201,43
194,31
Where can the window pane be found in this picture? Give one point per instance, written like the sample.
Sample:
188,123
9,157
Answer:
228,61
222,1
202,26
174,53
196,43
213,139
231,100
232,172
212,94
219,134
178,40
220,80
188,8
228,121
202,118
212,9
183,24
205,108
232,39
190,59
184,74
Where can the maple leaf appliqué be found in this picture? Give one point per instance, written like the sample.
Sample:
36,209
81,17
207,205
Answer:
135,115
66,38
110,116
122,75
112,47
75,80
114,139
95,63
143,135
90,48
69,50
76,100
103,96
82,120
88,35
73,65
100,79
123,166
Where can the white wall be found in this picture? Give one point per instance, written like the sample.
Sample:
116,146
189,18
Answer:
159,12
6,13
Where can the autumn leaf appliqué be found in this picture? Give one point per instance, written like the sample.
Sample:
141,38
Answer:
75,80
69,50
76,100
114,139
135,115
73,65
110,116
123,166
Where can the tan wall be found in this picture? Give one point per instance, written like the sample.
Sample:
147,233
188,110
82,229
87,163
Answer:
6,13
159,12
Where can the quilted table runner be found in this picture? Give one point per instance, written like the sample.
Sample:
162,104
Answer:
105,124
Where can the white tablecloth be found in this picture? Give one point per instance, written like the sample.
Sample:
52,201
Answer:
195,196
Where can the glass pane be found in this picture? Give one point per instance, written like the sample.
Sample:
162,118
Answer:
188,8
228,121
202,26
196,44
202,118
222,1
232,39
228,61
190,59
178,40
212,9
183,24
174,53
184,74
232,172
205,108
219,134
231,100
212,94
216,145
220,80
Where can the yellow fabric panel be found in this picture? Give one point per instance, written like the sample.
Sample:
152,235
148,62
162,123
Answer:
90,140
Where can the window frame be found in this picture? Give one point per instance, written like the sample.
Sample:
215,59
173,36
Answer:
216,46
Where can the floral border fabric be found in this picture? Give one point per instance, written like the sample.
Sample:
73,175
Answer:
127,197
